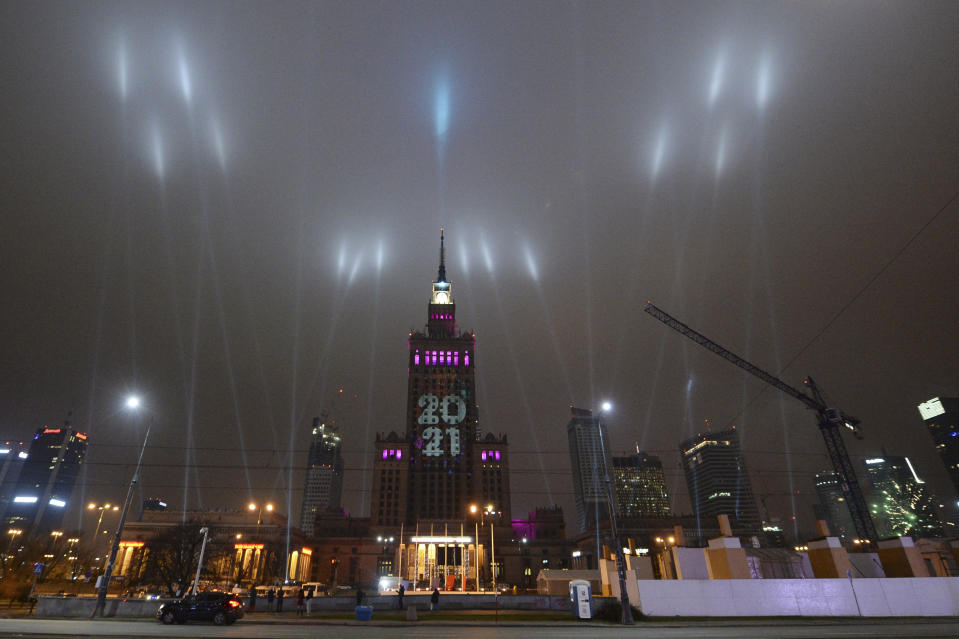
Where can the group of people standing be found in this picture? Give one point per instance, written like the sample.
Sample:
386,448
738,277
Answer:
275,597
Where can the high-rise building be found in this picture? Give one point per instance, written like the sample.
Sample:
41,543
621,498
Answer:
323,487
13,454
47,478
832,506
588,458
640,487
441,467
942,417
901,502
718,482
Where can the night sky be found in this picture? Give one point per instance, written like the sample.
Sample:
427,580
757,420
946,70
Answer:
234,210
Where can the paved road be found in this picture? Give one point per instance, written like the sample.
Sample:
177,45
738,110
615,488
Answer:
39,628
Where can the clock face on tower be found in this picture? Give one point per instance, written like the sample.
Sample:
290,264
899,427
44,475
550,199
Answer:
442,297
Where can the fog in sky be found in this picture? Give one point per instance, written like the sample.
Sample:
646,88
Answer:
233,208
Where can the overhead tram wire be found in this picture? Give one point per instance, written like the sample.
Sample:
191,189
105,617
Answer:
851,301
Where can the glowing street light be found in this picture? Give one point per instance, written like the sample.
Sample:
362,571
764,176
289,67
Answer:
627,618
259,512
132,403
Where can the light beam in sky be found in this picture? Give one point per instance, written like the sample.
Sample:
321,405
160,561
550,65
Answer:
122,68
183,73
341,259
530,263
763,80
716,80
356,268
217,137
380,256
441,107
156,148
487,256
464,257
659,150
721,151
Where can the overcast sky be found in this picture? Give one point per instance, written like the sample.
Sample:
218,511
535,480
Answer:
234,209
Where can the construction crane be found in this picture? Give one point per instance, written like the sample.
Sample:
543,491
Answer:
830,421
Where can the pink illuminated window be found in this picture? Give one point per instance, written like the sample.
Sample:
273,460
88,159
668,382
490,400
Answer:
456,358
399,454
385,453
434,358
483,455
467,358
416,358
497,455
442,358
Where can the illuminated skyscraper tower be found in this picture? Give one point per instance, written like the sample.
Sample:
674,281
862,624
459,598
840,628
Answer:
448,467
640,487
324,473
588,465
46,480
942,418
718,482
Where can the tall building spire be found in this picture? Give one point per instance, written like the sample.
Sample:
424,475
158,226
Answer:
441,276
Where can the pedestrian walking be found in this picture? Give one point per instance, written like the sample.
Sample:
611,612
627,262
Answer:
309,601
252,597
399,596
300,603
270,598
435,599
279,600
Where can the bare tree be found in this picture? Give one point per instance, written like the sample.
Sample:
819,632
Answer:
173,555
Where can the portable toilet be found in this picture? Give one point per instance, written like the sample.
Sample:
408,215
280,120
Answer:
580,593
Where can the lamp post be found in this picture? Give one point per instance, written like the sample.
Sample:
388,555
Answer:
666,557
627,617
13,532
489,510
199,566
72,556
132,403
259,514
96,532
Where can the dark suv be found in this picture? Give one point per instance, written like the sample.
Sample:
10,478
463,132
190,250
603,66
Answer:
221,608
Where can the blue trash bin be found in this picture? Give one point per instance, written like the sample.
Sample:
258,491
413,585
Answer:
364,613
581,596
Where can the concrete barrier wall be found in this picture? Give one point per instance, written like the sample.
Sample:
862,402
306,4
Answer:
83,606
906,597
801,597
53,606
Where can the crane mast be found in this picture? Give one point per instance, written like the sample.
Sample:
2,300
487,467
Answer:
829,420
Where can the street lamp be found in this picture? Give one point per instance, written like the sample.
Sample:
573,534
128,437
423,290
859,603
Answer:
259,512
13,532
627,618
96,533
490,510
132,403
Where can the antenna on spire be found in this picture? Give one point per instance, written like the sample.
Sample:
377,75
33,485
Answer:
442,274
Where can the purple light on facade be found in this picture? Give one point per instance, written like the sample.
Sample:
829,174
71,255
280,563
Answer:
483,455
399,454
385,453
416,358
467,358
434,358
456,358
497,455
442,358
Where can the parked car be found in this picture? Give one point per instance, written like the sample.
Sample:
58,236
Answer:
222,608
